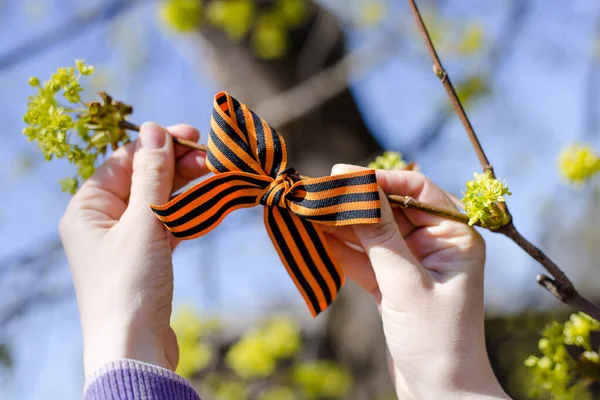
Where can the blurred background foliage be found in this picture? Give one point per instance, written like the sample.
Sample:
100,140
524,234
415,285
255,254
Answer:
342,80
266,362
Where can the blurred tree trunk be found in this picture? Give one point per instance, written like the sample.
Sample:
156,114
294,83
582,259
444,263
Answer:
335,131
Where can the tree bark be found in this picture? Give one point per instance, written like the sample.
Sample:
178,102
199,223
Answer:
335,131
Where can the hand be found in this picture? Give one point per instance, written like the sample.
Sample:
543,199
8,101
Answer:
120,253
426,272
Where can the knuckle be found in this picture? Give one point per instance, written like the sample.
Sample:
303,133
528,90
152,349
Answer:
476,242
470,242
66,221
380,234
63,226
152,170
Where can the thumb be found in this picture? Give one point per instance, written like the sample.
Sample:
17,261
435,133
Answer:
396,269
153,167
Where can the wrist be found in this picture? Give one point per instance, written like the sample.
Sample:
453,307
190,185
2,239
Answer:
437,386
112,342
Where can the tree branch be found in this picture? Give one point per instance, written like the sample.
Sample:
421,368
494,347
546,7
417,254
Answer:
303,98
441,73
183,142
495,59
561,286
411,202
574,299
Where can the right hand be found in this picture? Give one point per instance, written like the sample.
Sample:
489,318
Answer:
426,273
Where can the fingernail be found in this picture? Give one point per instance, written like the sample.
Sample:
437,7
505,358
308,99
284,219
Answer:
338,169
152,136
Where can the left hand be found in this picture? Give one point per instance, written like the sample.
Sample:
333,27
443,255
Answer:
120,253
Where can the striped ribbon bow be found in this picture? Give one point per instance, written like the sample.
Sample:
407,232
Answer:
249,160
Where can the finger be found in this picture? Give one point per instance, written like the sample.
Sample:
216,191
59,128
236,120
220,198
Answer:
189,167
406,227
106,192
153,168
114,175
190,164
183,131
356,266
346,233
396,269
342,233
173,241
455,200
417,185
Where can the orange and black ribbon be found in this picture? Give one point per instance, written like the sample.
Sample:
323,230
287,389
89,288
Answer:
249,160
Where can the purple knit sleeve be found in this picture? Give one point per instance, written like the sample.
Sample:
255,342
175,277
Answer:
132,380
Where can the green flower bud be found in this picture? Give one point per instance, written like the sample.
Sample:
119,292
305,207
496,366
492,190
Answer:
591,356
531,361
69,185
83,68
545,363
543,344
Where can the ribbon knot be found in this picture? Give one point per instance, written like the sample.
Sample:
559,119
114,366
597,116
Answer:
249,160
278,189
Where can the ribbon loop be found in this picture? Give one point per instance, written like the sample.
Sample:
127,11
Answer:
250,162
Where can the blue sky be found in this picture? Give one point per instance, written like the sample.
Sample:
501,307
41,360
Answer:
536,107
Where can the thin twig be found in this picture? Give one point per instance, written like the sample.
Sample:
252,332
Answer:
574,300
411,202
561,286
559,276
182,142
496,58
441,73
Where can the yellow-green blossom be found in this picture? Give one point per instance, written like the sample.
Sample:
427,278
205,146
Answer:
270,38
251,358
278,393
181,15
257,353
557,372
390,160
578,163
282,336
481,200
578,328
63,126
322,379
